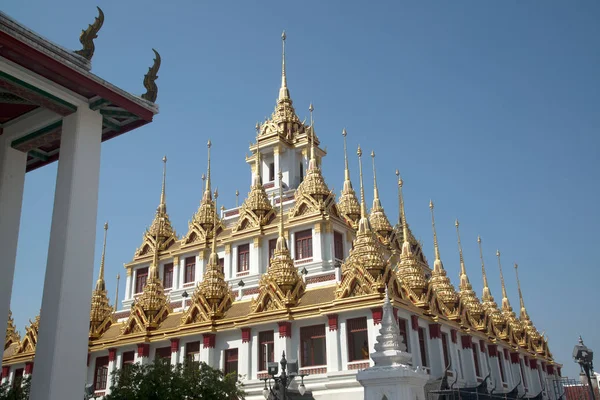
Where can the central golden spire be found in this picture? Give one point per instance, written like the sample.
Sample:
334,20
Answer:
379,221
363,224
524,316
439,281
100,285
488,302
284,93
101,311
505,302
466,294
348,203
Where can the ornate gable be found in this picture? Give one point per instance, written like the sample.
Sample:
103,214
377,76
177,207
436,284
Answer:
29,342
12,335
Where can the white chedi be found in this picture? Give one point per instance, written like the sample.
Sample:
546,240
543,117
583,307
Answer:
390,349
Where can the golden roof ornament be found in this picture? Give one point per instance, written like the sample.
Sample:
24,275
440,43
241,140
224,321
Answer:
348,203
212,297
313,195
29,342
256,210
409,268
101,313
365,271
201,227
507,311
160,235
379,221
150,79
532,332
467,295
88,35
439,283
117,292
282,286
12,335
487,300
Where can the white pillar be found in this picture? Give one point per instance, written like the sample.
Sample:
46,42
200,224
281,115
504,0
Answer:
175,351
332,340
436,351
63,338
12,180
245,358
494,367
128,284
317,242
467,360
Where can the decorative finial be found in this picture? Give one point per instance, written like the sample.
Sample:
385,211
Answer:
150,79
438,261
406,244
463,271
87,36
117,292
363,207
312,164
258,177
164,183
375,189
522,303
214,241
346,170
280,176
284,93
486,288
257,127
237,198
207,188
505,302
100,285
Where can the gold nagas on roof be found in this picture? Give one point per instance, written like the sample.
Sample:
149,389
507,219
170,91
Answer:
150,79
88,35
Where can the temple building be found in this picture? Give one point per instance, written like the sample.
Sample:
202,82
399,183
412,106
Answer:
296,268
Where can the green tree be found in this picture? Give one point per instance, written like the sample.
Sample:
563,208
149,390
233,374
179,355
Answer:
162,381
15,392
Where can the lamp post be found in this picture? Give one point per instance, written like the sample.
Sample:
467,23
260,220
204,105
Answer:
585,357
289,371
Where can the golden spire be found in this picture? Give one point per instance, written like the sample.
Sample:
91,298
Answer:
12,335
524,316
284,93
488,302
100,285
505,303
464,279
348,203
467,295
257,175
379,221
117,292
437,265
363,224
207,188
522,303
313,162
406,249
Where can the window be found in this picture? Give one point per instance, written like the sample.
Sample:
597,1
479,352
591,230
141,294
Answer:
141,276
423,347
190,270
192,351
128,359
101,373
168,276
272,246
18,379
445,349
243,257
358,341
523,376
163,353
304,244
301,171
338,245
312,343
231,361
266,350
501,366
271,172
460,364
222,265
402,324
476,359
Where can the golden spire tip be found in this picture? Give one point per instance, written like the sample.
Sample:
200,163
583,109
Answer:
344,133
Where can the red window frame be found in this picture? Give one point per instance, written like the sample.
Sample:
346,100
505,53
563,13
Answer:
402,325
354,326
190,269
304,247
309,335
101,373
476,360
272,246
266,349
445,350
141,276
168,276
338,245
423,347
231,361
243,255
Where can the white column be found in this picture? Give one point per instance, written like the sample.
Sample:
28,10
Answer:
175,351
415,349
63,338
467,360
128,285
181,271
254,367
12,180
199,273
245,359
176,263
332,340
436,352
255,256
317,243
495,369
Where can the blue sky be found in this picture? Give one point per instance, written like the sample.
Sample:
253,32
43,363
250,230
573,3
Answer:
491,109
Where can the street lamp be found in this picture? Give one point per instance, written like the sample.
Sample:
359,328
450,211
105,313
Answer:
281,383
585,357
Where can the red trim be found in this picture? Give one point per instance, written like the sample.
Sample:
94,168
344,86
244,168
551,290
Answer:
5,371
112,354
246,334
550,369
482,346
533,363
435,331
493,350
526,361
467,342
414,322
332,320
453,335
514,358
74,76
377,315
506,355
174,345
543,366
143,349
208,340
28,368
285,329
